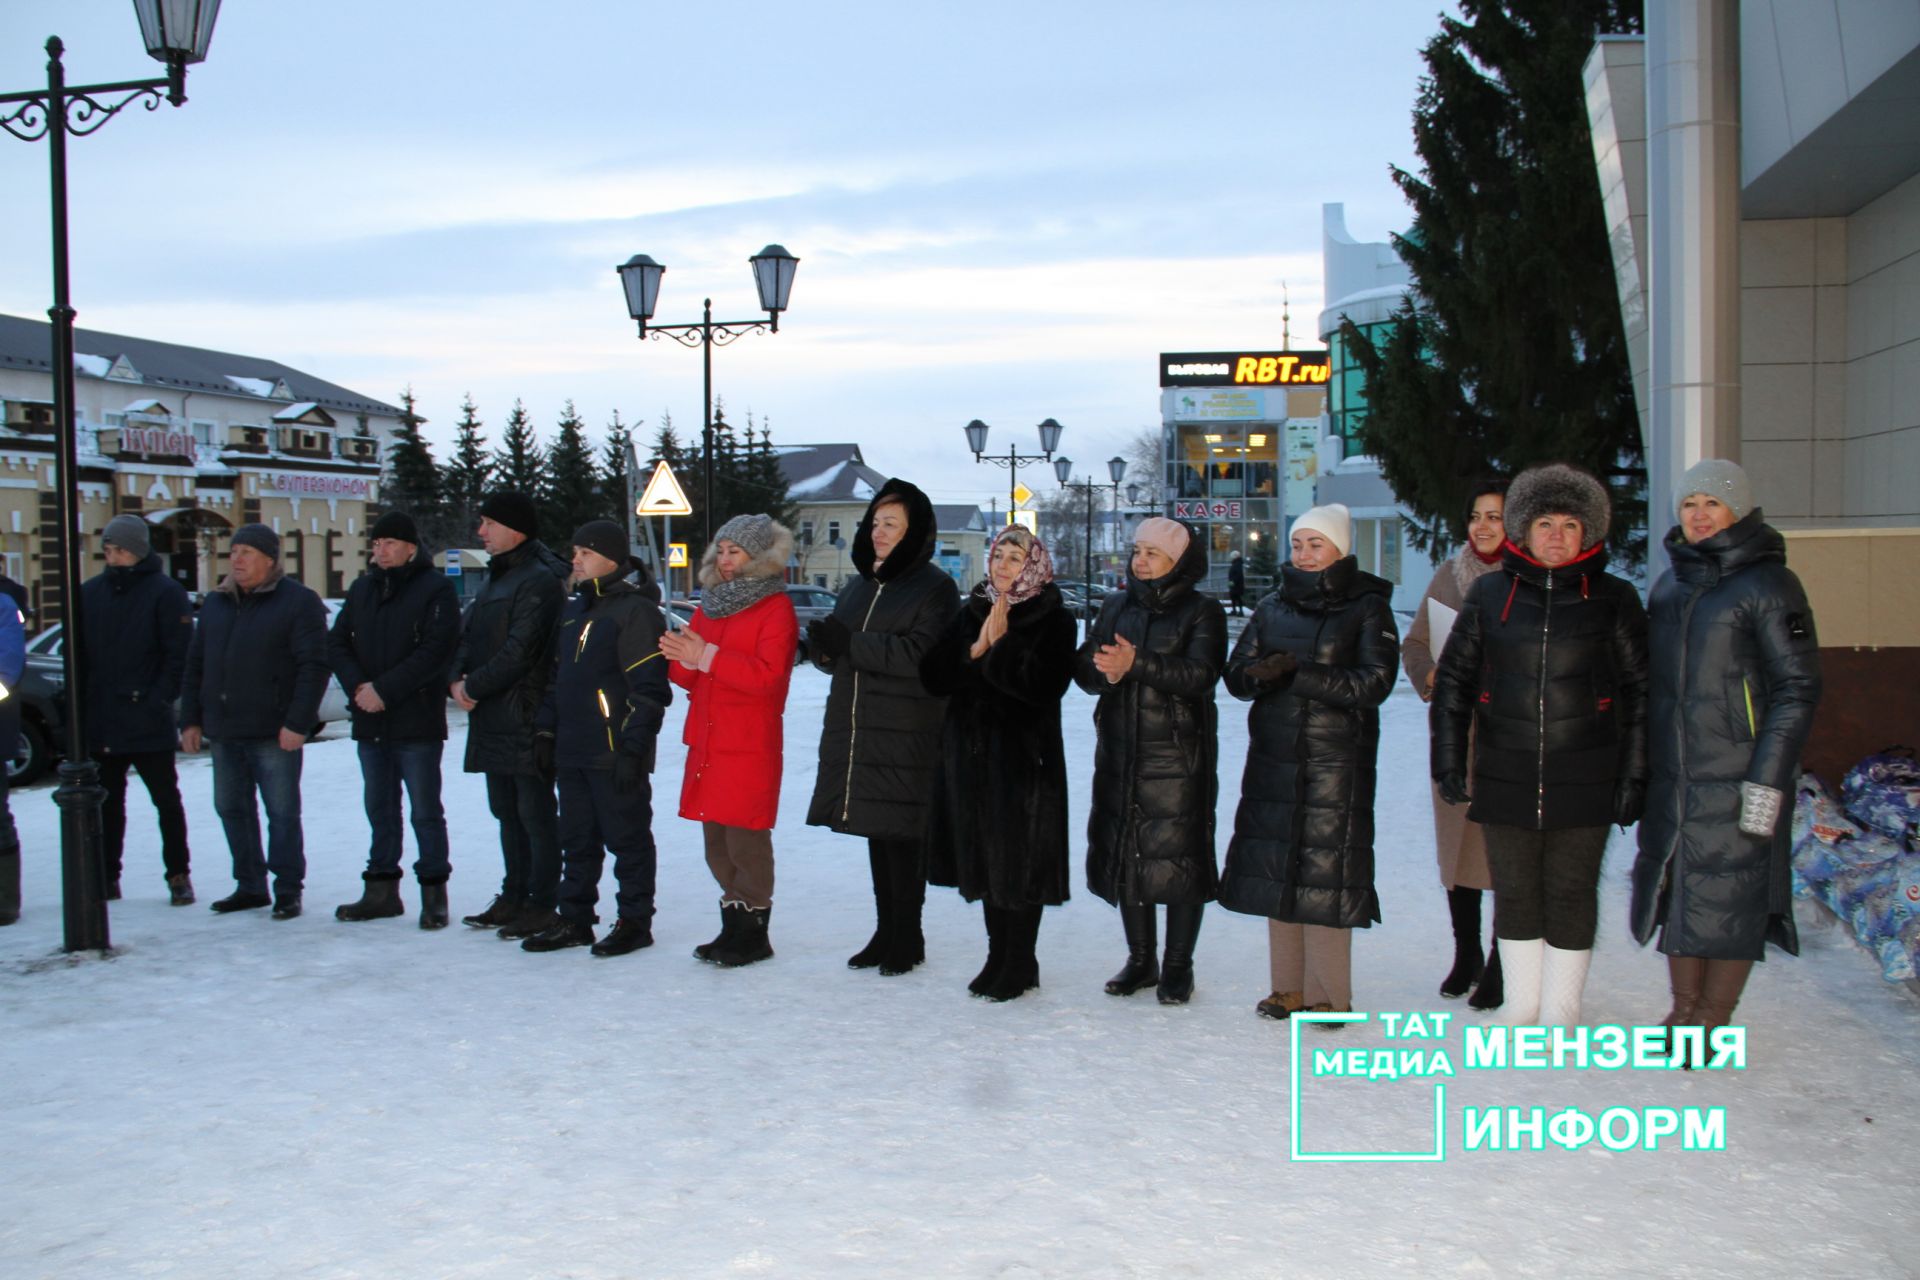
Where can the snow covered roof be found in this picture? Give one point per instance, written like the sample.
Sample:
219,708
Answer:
828,473
27,345
958,518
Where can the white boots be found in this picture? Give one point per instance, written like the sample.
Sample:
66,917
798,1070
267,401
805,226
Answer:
1521,962
1563,977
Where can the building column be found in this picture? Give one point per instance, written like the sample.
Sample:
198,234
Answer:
1693,162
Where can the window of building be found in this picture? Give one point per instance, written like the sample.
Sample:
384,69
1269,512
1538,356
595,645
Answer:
833,533
1376,545
1347,387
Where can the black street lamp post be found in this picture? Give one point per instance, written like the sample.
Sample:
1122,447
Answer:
1063,471
177,33
1014,460
773,269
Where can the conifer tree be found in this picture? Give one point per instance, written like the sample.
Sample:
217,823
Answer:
465,479
1510,349
520,463
614,461
570,495
413,481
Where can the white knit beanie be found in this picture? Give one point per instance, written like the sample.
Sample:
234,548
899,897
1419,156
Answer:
1331,522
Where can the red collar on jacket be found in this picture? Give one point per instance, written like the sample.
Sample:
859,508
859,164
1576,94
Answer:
1514,549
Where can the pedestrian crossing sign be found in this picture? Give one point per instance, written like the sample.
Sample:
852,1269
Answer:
676,555
663,496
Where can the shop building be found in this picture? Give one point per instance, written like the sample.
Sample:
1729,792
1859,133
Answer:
196,442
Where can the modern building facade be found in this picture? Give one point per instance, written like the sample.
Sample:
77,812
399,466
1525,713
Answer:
194,441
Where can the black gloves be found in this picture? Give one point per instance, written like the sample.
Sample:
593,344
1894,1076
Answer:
543,756
630,769
1453,788
828,637
1629,801
1275,669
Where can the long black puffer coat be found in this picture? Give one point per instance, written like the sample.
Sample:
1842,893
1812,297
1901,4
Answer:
999,828
880,740
1302,847
1549,668
1736,678
506,656
1155,766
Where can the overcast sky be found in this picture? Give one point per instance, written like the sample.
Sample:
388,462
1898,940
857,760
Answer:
1002,210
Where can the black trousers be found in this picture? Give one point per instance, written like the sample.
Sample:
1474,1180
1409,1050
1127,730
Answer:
1546,884
529,836
156,770
599,815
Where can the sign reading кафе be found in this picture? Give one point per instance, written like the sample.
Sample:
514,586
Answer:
1243,368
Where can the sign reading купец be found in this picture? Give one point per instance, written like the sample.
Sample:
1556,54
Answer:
1244,368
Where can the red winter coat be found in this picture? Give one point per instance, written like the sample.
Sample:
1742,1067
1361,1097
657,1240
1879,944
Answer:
734,732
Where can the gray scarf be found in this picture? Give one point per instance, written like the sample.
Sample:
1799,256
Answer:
728,597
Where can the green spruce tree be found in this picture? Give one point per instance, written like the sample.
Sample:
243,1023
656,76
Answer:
570,492
520,464
614,461
413,481
1510,350
465,479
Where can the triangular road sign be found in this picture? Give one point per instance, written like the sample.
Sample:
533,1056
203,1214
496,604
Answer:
664,496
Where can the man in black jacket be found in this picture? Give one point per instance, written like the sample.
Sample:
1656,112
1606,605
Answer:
255,673
603,711
500,677
139,627
390,647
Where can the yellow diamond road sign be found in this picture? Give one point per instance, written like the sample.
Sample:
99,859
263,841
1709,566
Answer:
1022,495
664,496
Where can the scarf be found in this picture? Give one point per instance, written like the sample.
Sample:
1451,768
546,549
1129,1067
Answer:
1035,574
729,596
1469,566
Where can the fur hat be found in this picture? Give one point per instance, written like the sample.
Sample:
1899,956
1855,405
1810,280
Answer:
260,538
129,533
1717,478
1558,489
1169,537
1332,522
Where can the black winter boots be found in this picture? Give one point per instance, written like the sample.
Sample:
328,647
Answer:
625,936
241,900
180,889
1463,905
749,944
1019,970
870,956
499,912
1176,969
1142,968
529,920
1491,991
287,907
433,904
558,936
9,885
379,898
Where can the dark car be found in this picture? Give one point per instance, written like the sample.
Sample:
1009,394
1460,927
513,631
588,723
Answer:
43,720
810,604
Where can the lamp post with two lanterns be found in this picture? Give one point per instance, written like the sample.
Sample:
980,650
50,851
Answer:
1063,471
176,33
773,269
1014,459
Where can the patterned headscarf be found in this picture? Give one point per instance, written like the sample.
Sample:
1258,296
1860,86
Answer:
1035,574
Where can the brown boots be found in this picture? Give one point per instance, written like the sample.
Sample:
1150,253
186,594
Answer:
1705,992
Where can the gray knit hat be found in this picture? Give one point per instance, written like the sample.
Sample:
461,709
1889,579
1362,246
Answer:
1717,478
752,534
260,538
1558,489
129,533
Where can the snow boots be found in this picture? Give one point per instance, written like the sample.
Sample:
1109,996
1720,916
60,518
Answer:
1463,906
1176,968
499,913
1563,977
1491,991
529,920
750,943
706,949
1522,960
869,956
625,936
180,889
1142,968
996,950
287,907
379,898
1280,1006
433,904
1019,970
241,900
559,936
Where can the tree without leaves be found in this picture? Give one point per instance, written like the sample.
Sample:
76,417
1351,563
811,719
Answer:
1510,350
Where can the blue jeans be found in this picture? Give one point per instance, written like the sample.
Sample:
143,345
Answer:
240,768
529,837
386,767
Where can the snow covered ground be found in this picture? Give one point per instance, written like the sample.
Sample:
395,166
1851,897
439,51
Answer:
243,1097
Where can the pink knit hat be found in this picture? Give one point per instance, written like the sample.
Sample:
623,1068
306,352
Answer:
1169,537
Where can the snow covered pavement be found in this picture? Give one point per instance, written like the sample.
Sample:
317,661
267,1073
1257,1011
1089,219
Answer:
250,1098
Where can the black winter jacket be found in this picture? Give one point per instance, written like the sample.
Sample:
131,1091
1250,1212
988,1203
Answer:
397,631
506,656
999,828
609,692
1155,771
1736,678
139,628
1302,847
258,661
880,741
1549,668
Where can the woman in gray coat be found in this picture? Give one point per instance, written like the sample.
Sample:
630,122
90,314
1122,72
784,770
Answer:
1736,677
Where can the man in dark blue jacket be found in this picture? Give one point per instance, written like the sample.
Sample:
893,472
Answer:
390,647
255,674
13,661
139,627
602,713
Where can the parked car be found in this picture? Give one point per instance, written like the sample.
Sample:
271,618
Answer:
810,604
43,721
